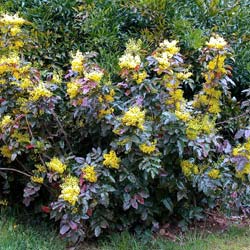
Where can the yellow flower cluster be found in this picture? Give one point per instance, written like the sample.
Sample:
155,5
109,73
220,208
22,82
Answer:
134,117
77,62
89,173
243,150
165,52
5,151
175,98
148,149
170,47
70,190
21,138
216,42
94,75
37,179
209,99
163,60
199,125
40,168
3,203
104,112
110,96
72,89
111,160
140,76
6,120
183,76
183,115
217,64
56,165
39,92
214,174
129,61
11,20
188,168
9,63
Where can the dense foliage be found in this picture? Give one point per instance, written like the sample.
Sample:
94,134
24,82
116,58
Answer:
102,155
60,26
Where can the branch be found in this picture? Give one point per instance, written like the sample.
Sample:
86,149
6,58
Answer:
62,130
15,170
234,118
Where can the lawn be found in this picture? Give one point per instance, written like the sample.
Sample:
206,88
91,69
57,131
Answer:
20,234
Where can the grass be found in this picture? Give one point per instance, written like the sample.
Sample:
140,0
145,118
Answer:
234,239
31,234
15,234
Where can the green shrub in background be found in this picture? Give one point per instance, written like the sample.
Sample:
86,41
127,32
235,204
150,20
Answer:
103,26
107,156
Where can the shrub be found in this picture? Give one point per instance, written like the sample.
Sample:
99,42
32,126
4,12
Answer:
112,156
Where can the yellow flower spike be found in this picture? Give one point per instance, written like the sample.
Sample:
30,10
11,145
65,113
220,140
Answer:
73,89
5,121
148,149
56,165
111,160
39,92
129,61
6,152
36,179
134,117
89,173
94,75
188,168
214,174
77,62
216,42
70,190
12,20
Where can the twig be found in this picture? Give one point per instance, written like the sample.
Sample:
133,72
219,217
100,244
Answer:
234,118
63,131
15,170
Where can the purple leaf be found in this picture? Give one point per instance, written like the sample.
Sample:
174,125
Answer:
64,229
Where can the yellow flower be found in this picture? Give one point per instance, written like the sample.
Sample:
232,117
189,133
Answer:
214,174
3,203
140,77
95,76
216,42
129,61
72,89
25,83
163,60
56,165
37,179
15,30
148,149
5,121
183,76
111,160
170,47
21,138
38,92
11,20
77,62
104,112
89,173
5,151
184,116
188,168
134,117
70,190
40,168
199,125
110,96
